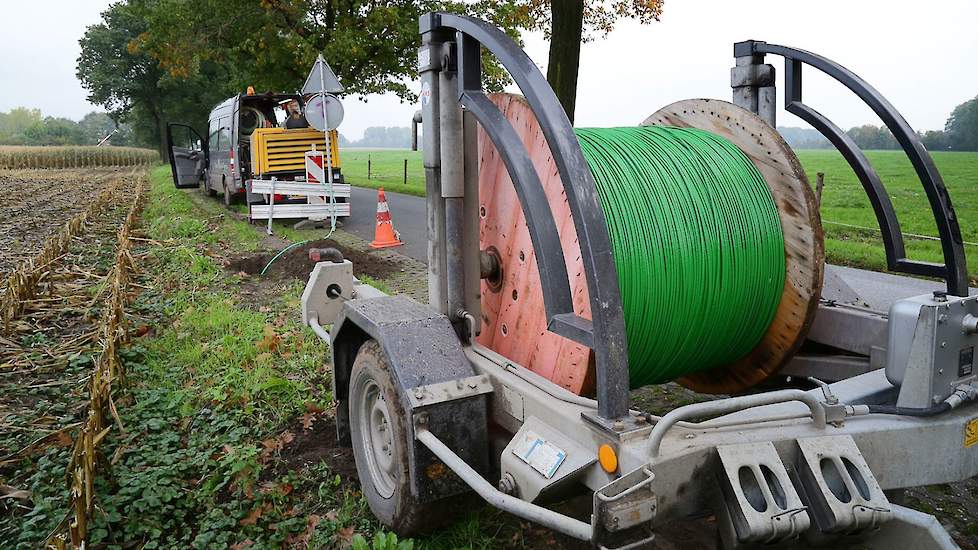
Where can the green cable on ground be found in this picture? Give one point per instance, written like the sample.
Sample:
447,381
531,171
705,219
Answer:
697,242
283,251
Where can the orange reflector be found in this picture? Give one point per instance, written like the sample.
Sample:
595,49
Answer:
608,458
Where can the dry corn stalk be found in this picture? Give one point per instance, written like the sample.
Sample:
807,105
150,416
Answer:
22,282
86,461
17,156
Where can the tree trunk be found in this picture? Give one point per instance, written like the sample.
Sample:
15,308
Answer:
157,113
567,24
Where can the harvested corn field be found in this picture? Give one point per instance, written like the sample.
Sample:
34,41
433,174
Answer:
16,156
36,203
59,345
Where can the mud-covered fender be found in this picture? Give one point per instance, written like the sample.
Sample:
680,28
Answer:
422,349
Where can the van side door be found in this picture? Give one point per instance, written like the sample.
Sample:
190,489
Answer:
187,154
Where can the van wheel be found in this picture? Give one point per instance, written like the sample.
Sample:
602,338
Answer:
379,434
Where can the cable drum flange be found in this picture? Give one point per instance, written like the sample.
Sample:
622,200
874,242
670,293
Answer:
801,226
514,317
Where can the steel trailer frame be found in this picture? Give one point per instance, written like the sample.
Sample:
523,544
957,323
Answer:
817,462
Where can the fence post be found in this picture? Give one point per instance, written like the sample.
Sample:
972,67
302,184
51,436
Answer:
368,166
405,171
818,189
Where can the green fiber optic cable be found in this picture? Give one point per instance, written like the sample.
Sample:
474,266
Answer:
697,242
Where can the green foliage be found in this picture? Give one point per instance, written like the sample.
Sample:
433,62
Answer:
129,83
22,126
211,394
150,62
962,126
14,123
382,541
868,137
170,213
935,140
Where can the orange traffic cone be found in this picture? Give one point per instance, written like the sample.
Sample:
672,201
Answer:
384,235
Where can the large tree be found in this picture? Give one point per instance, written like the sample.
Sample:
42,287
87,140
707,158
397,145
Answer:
123,81
570,23
962,126
130,83
151,61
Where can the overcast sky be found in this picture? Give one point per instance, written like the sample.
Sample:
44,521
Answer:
920,55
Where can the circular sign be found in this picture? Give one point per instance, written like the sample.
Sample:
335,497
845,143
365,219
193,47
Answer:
324,112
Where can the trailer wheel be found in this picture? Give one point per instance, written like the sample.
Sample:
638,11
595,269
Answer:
379,434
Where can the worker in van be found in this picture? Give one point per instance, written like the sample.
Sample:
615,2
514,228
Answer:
295,119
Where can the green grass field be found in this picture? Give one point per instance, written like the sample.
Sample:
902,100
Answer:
386,169
843,199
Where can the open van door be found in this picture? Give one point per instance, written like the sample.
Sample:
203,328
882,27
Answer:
188,155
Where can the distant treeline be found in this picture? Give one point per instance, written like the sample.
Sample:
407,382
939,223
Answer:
398,137
960,133
23,126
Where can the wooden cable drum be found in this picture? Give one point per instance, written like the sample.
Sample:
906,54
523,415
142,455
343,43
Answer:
514,319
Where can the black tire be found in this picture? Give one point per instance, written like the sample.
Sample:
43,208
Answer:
389,500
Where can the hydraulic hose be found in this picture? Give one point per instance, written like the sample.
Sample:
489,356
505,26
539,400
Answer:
697,242
935,410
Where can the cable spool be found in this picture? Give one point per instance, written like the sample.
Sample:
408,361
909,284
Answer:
761,317
251,119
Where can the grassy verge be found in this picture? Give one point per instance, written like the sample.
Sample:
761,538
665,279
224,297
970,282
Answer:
218,394
228,412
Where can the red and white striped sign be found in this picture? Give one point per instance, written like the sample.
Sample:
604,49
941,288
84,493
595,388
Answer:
314,167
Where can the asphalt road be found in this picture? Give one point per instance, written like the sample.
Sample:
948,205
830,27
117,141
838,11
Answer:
407,212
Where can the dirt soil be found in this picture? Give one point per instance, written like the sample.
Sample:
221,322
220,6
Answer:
295,263
37,202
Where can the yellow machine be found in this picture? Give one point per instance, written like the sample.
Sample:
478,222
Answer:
277,150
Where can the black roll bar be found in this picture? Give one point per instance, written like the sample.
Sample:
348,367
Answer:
954,270
605,332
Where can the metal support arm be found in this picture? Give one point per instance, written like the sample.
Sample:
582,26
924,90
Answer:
605,332
559,522
954,270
